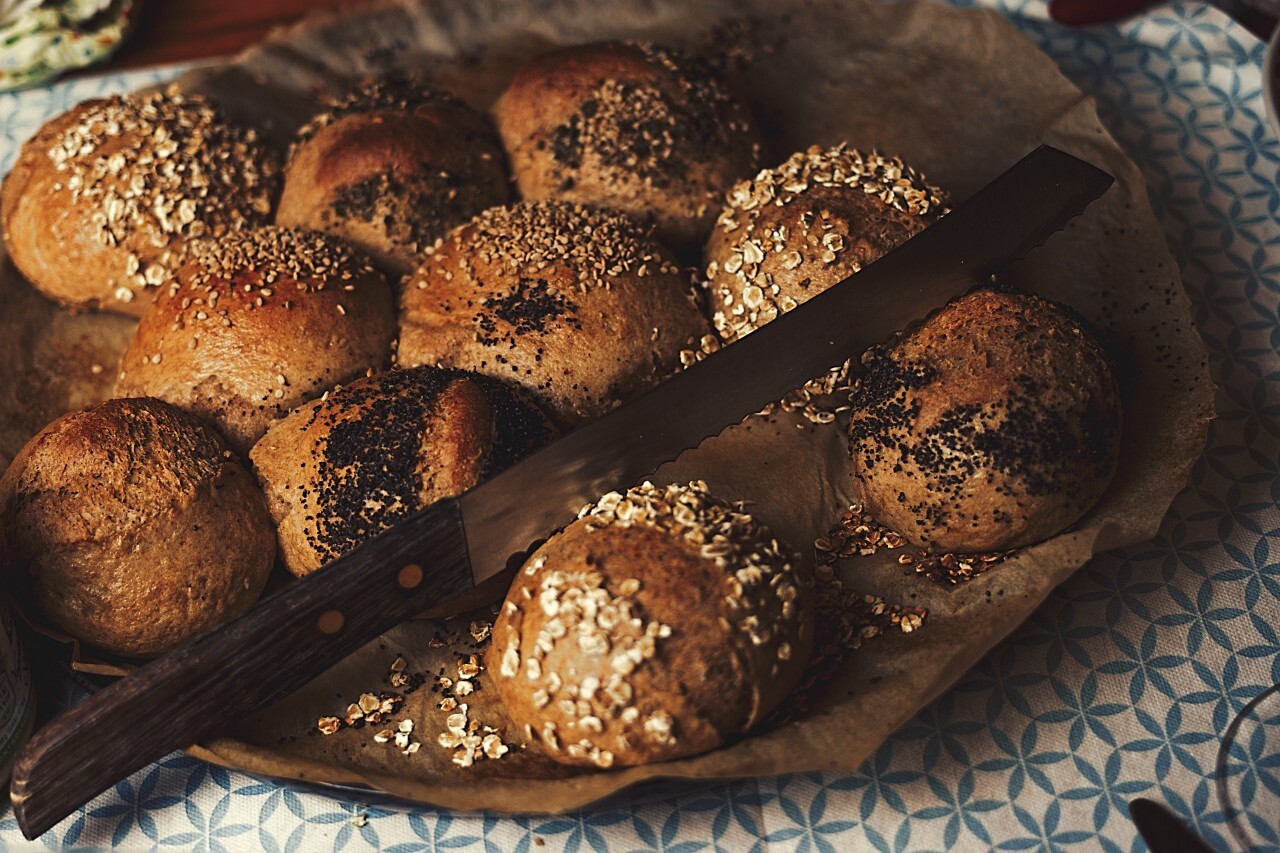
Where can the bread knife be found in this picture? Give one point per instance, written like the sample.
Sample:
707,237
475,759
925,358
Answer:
436,557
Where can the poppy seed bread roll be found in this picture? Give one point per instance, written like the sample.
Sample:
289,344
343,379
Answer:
662,623
633,127
571,303
341,469
131,526
257,324
391,168
104,201
994,425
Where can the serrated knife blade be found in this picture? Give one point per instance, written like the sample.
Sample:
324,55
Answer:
1001,223
444,553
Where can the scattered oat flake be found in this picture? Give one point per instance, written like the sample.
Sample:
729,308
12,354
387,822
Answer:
493,747
859,534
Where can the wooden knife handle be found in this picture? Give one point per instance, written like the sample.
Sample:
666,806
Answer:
280,644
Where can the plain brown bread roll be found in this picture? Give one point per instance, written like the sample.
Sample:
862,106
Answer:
104,200
340,469
390,168
662,623
635,127
570,303
255,325
994,425
132,527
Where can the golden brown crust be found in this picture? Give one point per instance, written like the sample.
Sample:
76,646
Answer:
104,200
633,127
662,623
570,303
133,527
791,232
994,425
256,325
340,469
391,168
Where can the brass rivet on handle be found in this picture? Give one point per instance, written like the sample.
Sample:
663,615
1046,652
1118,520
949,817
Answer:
331,621
410,576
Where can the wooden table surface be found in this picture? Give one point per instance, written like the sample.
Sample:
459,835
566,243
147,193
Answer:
182,30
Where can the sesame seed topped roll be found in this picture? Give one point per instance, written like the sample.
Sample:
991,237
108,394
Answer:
105,200
662,623
573,304
257,324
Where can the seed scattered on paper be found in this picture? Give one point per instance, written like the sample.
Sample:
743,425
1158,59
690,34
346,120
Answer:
859,534
469,738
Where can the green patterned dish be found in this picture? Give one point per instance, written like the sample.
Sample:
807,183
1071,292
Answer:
40,39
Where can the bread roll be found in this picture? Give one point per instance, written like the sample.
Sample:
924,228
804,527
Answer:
343,468
792,231
662,623
391,168
105,199
635,127
257,324
570,303
131,526
996,424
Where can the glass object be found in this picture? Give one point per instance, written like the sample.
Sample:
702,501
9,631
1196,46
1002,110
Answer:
1248,773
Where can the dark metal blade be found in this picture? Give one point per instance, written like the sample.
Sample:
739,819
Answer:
1003,221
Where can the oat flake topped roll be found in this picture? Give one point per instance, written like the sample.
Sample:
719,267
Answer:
791,232
105,199
662,623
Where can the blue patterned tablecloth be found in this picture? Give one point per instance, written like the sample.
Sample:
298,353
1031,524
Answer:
1121,685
